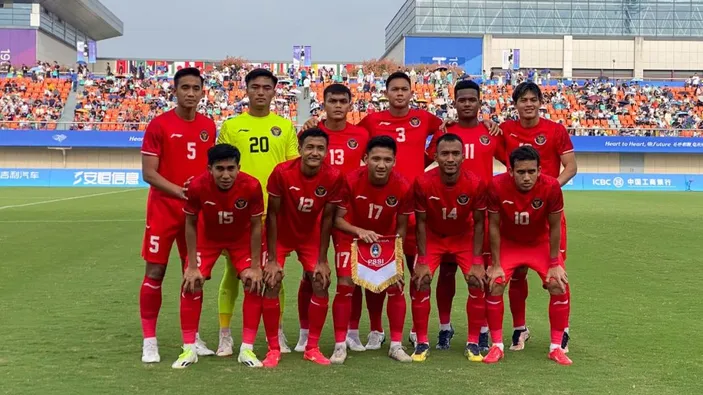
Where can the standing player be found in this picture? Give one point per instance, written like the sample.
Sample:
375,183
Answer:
554,145
447,198
174,151
480,149
302,196
376,202
265,140
525,214
223,214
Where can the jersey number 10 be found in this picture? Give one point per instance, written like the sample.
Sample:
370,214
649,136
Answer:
522,218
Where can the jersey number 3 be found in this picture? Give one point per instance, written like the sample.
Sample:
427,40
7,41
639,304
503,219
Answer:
258,144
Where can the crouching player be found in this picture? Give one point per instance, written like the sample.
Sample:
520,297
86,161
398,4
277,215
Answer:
525,210
446,199
376,202
223,214
303,194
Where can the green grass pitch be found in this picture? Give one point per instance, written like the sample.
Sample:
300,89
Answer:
69,318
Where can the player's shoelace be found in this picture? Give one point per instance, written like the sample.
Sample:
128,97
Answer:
473,349
421,348
445,337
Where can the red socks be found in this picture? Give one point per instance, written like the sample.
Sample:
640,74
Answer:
341,311
318,314
559,309
446,289
421,314
356,309
494,313
251,317
304,295
149,305
272,320
374,303
396,311
476,313
517,293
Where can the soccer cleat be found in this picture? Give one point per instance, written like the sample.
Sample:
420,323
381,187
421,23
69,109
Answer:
520,337
494,355
376,340
224,349
421,352
354,343
339,355
398,353
283,342
557,355
272,359
316,356
412,339
565,342
249,359
302,342
201,347
483,342
444,338
188,357
150,351
472,352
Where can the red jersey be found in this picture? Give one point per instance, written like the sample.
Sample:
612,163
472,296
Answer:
479,149
524,216
180,145
224,215
374,207
302,199
549,138
449,208
410,133
346,147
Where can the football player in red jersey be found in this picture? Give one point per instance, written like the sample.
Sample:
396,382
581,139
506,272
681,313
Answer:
554,145
303,194
525,209
450,205
223,214
376,203
480,149
174,151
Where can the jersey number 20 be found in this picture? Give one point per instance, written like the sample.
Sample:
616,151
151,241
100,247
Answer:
258,144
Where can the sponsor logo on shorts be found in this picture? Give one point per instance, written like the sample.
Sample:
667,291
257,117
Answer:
320,191
204,136
276,131
537,203
375,250
240,204
540,139
485,140
414,122
352,144
391,201
462,199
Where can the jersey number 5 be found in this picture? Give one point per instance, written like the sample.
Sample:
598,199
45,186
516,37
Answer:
191,151
258,144
522,218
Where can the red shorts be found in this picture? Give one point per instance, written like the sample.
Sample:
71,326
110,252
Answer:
238,255
410,243
514,255
264,245
165,223
562,243
457,249
342,255
307,253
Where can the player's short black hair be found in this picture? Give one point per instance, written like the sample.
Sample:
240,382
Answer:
449,137
382,142
398,75
336,89
222,152
188,72
313,132
524,153
256,73
526,87
467,84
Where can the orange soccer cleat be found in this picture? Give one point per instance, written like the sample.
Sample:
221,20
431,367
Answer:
557,355
494,355
316,356
272,359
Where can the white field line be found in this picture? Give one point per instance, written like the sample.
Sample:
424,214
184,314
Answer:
65,199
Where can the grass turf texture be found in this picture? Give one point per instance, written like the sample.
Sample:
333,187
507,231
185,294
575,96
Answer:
69,315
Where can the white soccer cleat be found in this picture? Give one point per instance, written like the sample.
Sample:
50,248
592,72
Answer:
398,353
376,340
249,359
224,349
201,348
188,357
150,351
339,355
355,344
283,342
302,342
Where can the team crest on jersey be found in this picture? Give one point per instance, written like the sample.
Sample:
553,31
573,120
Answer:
375,250
352,144
463,200
540,139
414,122
240,204
391,201
204,136
320,191
537,203
276,131
485,140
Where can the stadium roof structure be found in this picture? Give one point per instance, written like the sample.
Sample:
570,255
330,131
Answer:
89,16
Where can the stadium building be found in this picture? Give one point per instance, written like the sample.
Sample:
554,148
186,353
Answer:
573,38
53,30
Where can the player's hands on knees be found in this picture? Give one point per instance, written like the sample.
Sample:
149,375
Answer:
493,128
368,236
477,277
558,274
253,279
322,274
311,123
496,275
192,280
421,276
272,271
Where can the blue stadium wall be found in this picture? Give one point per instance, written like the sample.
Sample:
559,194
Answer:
466,52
